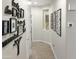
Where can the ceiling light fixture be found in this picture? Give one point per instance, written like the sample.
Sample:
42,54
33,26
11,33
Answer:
29,2
35,3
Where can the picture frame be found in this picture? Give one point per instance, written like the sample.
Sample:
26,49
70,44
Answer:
53,21
18,14
58,22
14,12
20,30
15,4
5,27
22,13
13,25
7,10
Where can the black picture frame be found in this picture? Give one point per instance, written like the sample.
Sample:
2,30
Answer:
53,20
20,30
13,25
22,13
5,27
58,22
15,4
14,12
18,14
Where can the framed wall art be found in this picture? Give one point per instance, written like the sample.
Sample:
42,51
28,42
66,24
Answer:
18,14
15,4
58,22
22,13
13,25
5,27
14,12
53,21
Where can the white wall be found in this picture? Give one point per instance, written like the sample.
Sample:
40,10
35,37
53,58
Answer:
38,33
9,52
50,36
64,46
60,42
71,31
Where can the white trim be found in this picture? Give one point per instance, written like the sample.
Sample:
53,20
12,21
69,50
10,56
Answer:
48,44
40,41
53,51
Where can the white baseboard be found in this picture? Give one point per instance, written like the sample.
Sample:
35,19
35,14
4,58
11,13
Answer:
53,51
48,44
41,41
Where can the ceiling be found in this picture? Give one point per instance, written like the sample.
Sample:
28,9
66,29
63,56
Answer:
42,2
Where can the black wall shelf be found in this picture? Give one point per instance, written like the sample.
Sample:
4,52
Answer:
6,42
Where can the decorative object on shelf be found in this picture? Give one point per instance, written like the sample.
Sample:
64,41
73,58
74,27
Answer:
15,4
13,24
14,12
22,13
5,27
18,14
24,22
17,30
7,10
20,22
20,29
58,22
24,29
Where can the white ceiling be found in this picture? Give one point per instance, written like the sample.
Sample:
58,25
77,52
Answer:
42,2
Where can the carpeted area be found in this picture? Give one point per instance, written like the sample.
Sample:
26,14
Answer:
41,50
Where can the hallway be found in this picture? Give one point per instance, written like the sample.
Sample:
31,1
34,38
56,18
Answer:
38,29
41,50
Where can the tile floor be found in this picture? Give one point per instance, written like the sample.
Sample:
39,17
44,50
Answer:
41,50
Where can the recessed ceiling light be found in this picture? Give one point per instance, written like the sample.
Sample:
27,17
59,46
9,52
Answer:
35,3
29,2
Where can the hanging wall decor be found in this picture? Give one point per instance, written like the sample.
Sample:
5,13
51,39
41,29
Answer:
7,10
18,14
24,29
13,25
5,27
58,22
14,12
15,4
53,21
22,13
